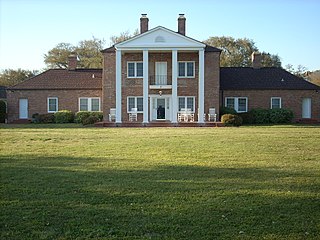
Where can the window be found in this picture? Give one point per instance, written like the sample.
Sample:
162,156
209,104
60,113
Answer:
52,104
186,69
135,102
89,104
135,69
275,102
186,102
240,104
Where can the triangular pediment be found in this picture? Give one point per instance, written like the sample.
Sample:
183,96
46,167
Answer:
158,38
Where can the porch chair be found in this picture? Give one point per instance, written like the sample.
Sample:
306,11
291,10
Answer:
133,115
212,115
112,114
189,115
181,114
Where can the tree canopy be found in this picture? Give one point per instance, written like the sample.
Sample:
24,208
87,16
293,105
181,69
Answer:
88,52
10,77
237,52
123,36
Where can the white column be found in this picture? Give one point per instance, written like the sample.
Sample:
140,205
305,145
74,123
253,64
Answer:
145,85
201,86
174,85
118,86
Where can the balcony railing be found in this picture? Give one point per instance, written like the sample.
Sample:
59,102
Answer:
160,81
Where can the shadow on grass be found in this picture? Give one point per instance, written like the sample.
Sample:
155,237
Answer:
69,198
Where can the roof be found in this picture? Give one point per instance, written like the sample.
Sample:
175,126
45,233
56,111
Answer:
268,78
63,79
3,93
160,37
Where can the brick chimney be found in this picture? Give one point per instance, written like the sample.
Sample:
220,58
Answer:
72,62
256,60
144,23
182,24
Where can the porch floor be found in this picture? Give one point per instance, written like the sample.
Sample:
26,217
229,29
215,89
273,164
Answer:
159,124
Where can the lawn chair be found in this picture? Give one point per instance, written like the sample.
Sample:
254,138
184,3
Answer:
212,115
112,114
133,115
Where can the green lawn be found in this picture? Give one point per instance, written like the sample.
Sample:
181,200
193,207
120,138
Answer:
70,182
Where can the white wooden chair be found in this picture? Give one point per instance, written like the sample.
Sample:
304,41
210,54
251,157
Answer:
133,115
112,114
212,115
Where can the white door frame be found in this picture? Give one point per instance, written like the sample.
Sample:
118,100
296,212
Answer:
306,108
168,107
23,108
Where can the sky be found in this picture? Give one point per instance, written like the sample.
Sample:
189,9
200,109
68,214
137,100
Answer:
30,28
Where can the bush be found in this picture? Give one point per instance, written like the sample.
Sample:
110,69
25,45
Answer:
226,110
231,120
261,116
64,116
90,120
247,117
281,116
45,118
83,115
3,111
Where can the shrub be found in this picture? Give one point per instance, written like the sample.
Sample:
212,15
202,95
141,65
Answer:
3,111
231,120
43,118
226,110
261,116
83,115
90,120
247,117
281,116
64,116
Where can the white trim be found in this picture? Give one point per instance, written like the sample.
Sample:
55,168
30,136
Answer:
186,102
273,98
135,103
89,104
135,69
57,104
236,103
145,85
201,87
186,69
118,86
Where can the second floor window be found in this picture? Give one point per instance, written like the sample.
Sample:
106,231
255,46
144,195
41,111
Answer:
135,69
186,70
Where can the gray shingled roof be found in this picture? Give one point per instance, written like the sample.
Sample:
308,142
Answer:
64,79
246,78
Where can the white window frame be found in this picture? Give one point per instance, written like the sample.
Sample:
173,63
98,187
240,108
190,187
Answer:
236,103
276,98
135,103
135,69
90,103
57,104
186,69
186,102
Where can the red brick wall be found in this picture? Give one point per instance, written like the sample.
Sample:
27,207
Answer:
37,100
134,86
291,99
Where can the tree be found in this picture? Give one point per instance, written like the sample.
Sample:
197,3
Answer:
88,52
300,71
314,77
10,77
237,52
123,37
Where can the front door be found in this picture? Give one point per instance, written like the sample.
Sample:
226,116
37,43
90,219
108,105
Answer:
161,109
306,108
23,108
161,73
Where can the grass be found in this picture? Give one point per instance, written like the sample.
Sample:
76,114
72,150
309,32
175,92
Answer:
70,182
